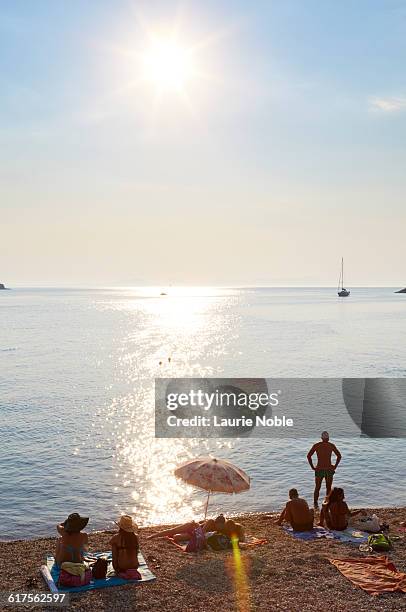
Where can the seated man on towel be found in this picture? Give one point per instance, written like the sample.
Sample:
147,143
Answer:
182,533
297,513
335,514
72,544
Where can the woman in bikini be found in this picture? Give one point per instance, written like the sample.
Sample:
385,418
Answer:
335,514
125,548
72,544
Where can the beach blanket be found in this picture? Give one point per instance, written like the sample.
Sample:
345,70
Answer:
252,542
374,575
352,536
315,534
110,580
346,536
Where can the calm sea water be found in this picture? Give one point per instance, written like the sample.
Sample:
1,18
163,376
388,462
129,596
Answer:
77,369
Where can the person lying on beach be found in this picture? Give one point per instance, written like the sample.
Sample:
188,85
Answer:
228,527
72,544
182,533
335,513
125,548
324,468
297,513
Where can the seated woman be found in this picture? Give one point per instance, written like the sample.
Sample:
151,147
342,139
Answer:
335,513
72,544
125,548
297,513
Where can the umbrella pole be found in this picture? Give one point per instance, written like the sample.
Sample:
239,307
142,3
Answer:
207,505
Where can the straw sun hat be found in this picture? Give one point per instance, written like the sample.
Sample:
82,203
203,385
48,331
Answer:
126,523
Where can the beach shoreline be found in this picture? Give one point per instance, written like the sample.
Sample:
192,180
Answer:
238,516
293,574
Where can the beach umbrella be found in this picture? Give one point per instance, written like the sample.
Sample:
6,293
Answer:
214,476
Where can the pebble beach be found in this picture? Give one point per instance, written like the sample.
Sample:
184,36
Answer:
284,574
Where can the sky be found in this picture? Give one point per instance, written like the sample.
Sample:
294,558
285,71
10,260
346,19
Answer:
282,150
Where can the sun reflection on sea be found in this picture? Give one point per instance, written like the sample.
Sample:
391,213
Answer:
163,336
145,465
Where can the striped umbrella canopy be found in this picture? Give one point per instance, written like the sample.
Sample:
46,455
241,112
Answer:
213,475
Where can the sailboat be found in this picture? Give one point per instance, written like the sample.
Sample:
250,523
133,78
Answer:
342,291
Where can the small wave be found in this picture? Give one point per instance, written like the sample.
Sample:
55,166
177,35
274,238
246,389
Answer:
8,349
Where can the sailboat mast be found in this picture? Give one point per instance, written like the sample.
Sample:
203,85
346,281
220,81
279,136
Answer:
342,292
342,272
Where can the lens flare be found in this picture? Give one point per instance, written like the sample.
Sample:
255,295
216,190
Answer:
167,64
241,585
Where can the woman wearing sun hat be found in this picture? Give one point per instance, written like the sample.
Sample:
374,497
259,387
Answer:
125,547
72,544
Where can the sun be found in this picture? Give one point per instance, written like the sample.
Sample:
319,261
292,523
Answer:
167,65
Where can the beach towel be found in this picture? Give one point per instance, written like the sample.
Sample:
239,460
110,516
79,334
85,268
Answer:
252,542
351,536
374,575
346,536
315,534
111,578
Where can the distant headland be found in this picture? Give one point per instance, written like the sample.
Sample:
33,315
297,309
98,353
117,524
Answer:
401,290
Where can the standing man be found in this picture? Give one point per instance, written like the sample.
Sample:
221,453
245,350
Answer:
324,468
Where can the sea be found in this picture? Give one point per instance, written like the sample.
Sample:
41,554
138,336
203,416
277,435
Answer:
77,372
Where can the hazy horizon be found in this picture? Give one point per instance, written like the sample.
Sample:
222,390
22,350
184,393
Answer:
193,286
209,144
